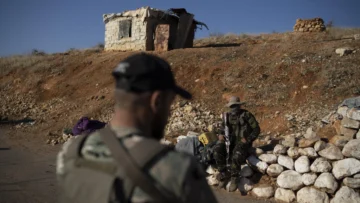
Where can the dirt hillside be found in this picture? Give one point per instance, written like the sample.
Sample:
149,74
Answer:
289,81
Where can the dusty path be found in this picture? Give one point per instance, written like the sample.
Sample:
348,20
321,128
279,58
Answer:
29,176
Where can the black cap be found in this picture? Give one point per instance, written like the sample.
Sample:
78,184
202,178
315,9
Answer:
144,72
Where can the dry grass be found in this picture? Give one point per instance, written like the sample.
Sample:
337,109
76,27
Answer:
338,32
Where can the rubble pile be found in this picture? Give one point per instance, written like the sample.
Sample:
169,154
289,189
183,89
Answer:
309,25
190,116
307,168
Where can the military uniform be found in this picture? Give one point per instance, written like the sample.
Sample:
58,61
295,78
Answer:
242,124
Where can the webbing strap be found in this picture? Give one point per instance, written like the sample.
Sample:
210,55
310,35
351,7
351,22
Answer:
139,178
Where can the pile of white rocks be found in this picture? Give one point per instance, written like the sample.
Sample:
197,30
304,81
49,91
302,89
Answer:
190,116
305,170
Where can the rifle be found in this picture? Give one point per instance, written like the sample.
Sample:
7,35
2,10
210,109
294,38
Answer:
227,137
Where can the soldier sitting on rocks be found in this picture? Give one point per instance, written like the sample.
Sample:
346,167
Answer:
239,129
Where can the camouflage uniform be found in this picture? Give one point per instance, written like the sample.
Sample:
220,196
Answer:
179,173
242,124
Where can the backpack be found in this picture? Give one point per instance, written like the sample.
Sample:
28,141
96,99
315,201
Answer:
89,181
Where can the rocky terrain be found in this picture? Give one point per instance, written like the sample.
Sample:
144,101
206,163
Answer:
289,81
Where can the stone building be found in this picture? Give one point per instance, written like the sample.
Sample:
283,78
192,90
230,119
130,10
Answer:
150,29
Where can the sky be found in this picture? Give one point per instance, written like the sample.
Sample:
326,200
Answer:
58,25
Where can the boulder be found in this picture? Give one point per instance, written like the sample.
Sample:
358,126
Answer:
350,123
357,136
320,145
246,171
256,163
309,178
309,195
310,152
346,194
212,180
331,152
339,141
290,180
280,149
352,149
293,152
286,161
347,132
308,142
310,134
274,170
320,165
344,51
284,195
263,191
268,158
259,151
352,182
210,170
326,182
302,164
289,142
343,111
354,114
345,168
357,176
245,185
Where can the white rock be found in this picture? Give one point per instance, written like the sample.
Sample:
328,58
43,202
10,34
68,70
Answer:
357,176
346,195
331,152
212,180
352,149
352,182
310,152
192,134
343,111
302,164
320,145
289,142
309,178
284,195
345,168
210,170
354,114
246,171
344,51
357,136
286,161
274,170
350,123
290,180
180,138
263,191
347,132
311,195
320,165
268,158
259,151
293,152
280,149
310,134
259,165
326,182
245,185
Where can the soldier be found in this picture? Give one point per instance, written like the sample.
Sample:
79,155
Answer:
242,130
125,162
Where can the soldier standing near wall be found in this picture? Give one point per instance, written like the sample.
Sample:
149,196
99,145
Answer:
239,130
124,162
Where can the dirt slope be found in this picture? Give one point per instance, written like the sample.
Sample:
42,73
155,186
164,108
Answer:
298,75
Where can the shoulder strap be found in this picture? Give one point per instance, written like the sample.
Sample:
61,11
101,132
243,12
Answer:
132,168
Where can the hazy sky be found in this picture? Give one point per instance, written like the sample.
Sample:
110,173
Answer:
58,25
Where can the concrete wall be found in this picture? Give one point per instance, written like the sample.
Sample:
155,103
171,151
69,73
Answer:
137,41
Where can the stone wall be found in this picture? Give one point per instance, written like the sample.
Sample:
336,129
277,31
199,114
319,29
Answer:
309,25
137,41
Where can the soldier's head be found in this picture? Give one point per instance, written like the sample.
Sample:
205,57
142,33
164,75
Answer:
145,89
234,103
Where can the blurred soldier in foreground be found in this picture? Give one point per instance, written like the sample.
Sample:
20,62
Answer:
239,130
124,162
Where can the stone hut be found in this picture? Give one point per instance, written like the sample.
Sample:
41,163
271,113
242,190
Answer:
150,29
